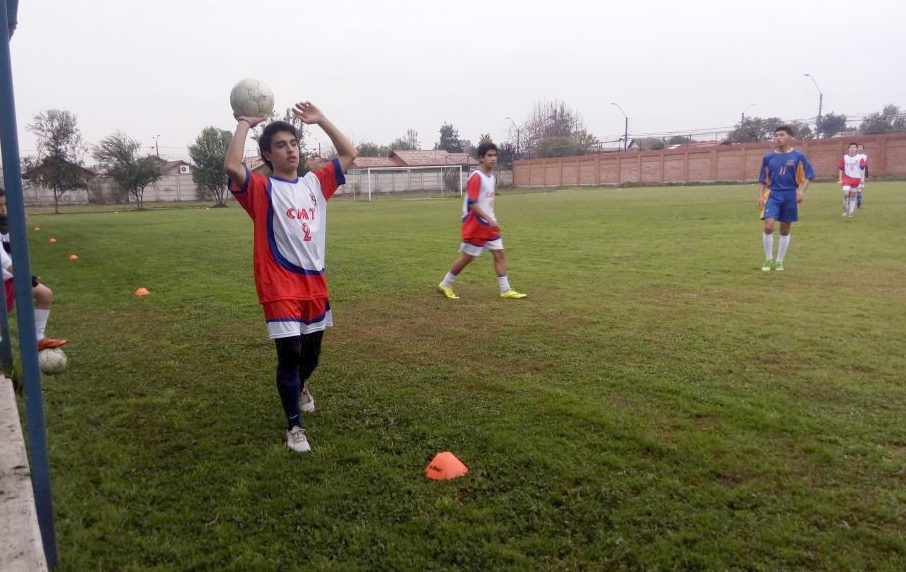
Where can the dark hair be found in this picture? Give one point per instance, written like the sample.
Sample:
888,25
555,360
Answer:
2,192
264,142
853,143
786,128
484,148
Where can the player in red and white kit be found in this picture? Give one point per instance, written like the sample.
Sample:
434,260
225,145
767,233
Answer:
850,177
861,151
480,229
290,220
42,295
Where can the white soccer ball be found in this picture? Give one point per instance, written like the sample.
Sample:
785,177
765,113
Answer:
252,98
52,361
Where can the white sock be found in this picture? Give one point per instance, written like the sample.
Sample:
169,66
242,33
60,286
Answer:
852,204
504,283
783,246
448,280
768,246
41,317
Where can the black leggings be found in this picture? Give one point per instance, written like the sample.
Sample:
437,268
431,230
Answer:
299,352
297,358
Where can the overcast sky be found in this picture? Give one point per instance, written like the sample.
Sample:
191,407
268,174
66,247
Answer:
379,67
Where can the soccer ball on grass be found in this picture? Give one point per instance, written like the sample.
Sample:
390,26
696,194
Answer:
252,98
52,361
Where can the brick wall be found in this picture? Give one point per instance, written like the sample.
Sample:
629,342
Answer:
732,163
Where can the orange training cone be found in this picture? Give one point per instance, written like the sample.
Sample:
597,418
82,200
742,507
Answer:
73,257
52,240
142,292
445,466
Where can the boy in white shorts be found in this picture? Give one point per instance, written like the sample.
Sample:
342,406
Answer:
480,229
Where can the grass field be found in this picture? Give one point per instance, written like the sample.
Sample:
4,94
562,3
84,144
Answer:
656,403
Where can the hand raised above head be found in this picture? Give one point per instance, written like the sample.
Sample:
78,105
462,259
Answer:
308,112
252,121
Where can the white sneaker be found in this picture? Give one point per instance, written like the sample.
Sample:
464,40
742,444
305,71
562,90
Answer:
306,401
297,441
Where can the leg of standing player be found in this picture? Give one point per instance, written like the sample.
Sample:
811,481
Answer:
43,297
308,361
446,285
784,245
506,291
768,243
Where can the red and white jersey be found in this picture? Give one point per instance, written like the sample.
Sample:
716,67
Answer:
864,158
6,264
481,190
290,224
852,165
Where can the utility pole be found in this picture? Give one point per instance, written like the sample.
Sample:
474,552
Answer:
742,118
625,126
820,105
516,127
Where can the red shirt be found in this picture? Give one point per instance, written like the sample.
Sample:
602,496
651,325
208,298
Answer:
290,225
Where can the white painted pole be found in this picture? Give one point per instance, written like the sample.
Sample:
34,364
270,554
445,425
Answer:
369,185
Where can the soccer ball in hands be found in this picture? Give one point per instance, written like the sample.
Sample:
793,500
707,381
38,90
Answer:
252,98
52,361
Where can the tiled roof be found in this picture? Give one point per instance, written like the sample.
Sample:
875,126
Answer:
426,158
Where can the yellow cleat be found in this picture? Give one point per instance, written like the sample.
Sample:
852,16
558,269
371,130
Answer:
448,292
512,294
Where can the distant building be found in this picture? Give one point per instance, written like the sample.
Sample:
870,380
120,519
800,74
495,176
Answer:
35,195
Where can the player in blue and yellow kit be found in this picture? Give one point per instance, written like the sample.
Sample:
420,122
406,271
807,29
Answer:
784,176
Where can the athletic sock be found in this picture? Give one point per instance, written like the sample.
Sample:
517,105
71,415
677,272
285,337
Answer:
782,247
768,246
41,317
448,280
504,283
288,388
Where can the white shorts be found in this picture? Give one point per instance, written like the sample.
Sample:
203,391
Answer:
848,188
290,318
472,250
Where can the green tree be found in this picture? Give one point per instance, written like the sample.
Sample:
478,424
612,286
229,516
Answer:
58,164
208,153
507,154
679,140
754,130
557,121
409,142
887,121
368,149
131,173
831,124
449,139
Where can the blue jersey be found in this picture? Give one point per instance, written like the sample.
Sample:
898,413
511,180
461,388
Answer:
785,171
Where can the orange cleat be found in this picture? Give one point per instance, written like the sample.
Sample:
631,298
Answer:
47,343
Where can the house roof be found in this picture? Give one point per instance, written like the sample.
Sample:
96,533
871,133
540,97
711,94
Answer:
425,158
433,158
86,174
170,165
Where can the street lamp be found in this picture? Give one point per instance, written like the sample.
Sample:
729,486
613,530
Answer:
156,148
742,119
820,105
625,126
516,127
